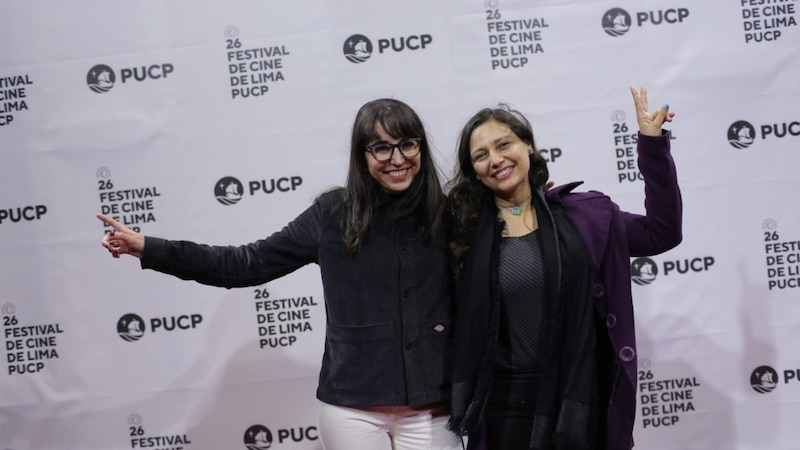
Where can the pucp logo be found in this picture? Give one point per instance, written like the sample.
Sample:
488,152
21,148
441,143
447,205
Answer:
258,437
643,271
616,22
130,327
228,191
101,78
741,134
29,213
764,379
357,48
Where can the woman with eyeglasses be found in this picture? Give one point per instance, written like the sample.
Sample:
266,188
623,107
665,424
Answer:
545,353
382,252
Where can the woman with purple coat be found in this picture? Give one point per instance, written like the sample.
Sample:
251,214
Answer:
545,352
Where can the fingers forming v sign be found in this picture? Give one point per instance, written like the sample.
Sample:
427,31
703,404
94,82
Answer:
649,123
122,239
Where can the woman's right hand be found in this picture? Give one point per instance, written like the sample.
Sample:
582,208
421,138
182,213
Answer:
122,239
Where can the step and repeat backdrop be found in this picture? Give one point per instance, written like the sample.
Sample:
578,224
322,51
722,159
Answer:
219,122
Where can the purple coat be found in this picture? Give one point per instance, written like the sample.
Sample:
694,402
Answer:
612,237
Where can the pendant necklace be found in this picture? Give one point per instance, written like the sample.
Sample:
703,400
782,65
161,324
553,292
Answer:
516,210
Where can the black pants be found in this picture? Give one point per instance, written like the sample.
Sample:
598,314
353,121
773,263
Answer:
510,410
511,407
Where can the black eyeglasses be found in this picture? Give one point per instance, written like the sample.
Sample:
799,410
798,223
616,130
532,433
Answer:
382,151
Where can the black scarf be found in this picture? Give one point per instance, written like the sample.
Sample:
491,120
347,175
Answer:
562,418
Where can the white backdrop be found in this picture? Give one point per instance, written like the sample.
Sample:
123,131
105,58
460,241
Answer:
149,110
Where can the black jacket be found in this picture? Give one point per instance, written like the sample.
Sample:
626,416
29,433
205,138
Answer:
388,305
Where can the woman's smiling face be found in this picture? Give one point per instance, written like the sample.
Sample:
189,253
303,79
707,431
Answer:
500,158
396,174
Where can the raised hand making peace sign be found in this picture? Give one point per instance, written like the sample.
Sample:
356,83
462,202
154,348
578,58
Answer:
649,123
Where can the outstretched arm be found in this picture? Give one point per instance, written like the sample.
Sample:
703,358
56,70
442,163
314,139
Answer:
229,266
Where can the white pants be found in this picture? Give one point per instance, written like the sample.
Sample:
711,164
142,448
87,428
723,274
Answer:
386,428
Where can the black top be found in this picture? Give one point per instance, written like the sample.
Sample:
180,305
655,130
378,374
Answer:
388,305
521,336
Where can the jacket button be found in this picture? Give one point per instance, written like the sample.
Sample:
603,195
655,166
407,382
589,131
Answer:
611,321
626,354
599,290
409,346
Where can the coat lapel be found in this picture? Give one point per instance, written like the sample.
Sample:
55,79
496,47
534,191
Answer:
591,214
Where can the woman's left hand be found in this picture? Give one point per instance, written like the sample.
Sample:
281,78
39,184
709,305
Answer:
649,123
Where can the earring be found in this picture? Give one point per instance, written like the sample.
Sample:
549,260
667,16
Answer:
530,150
477,177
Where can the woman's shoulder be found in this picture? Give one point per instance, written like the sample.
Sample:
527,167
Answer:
332,197
565,193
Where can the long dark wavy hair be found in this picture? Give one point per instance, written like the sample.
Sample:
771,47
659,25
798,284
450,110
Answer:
467,193
424,198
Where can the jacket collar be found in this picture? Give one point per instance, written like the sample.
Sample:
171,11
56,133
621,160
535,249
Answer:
557,192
